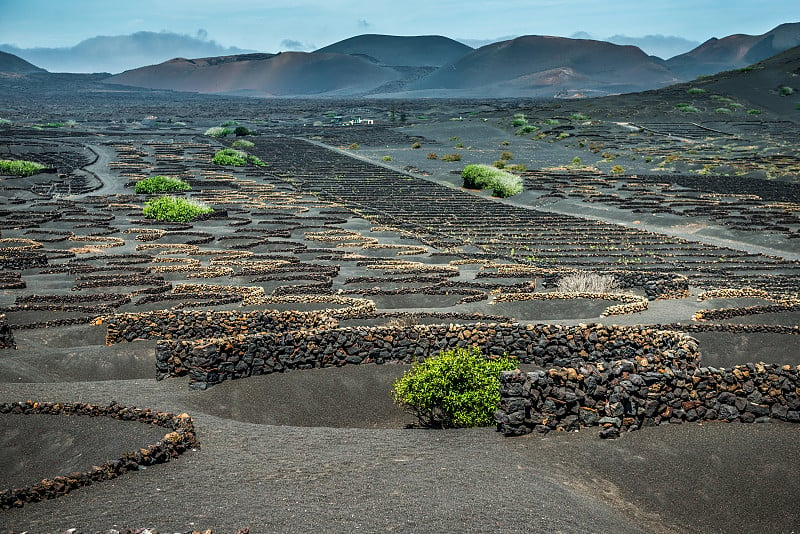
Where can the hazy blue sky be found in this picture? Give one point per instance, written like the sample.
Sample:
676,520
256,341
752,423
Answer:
275,25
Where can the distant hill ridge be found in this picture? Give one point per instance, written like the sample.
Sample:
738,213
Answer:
734,51
436,66
406,51
11,64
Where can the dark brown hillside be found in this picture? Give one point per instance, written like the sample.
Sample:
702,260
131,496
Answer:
544,66
290,73
11,64
734,51
408,51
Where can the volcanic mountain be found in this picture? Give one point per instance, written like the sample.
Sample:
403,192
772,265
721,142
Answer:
392,50
549,66
772,84
283,74
11,64
734,51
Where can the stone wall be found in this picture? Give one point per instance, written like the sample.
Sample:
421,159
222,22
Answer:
211,361
195,324
6,334
180,438
623,395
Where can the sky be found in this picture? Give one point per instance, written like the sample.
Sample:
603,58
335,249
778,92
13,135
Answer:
278,25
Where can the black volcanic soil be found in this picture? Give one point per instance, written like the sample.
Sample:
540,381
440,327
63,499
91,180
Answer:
325,449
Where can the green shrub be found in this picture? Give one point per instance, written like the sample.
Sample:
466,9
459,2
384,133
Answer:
687,108
722,110
517,167
353,146
451,157
577,161
19,167
230,156
552,122
432,155
579,117
459,145
696,91
458,388
416,145
503,184
5,121
255,160
526,130
243,143
617,169
230,123
785,90
161,184
241,131
218,131
506,155
387,158
174,209
520,121
754,112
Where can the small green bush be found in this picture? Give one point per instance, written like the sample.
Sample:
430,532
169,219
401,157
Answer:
499,164
451,157
686,108
218,131
231,157
353,146
229,123
387,158
255,160
243,143
526,130
617,169
785,90
503,184
577,161
519,121
552,122
432,155
754,112
161,184
696,91
416,145
241,131
19,167
458,388
517,167
579,117
506,155
722,110
174,209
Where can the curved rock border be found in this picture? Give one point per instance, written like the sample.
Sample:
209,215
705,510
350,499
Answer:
630,303
180,438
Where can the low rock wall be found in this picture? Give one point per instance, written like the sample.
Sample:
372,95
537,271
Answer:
180,438
211,361
195,324
6,334
623,395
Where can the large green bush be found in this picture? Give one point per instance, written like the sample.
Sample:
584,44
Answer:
161,184
19,167
503,184
174,209
457,388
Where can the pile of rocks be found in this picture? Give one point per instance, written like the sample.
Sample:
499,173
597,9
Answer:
623,395
180,438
